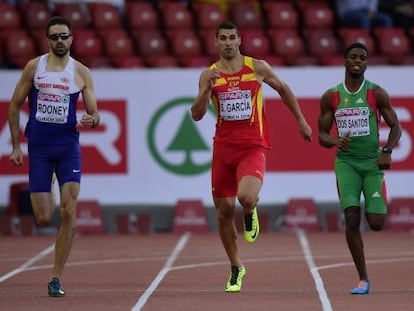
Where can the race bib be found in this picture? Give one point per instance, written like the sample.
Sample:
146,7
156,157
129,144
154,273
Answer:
235,105
52,108
353,120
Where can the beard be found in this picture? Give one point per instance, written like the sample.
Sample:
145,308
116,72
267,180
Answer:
60,51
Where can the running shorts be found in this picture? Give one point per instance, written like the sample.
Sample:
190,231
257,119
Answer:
361,176
231,163
44,159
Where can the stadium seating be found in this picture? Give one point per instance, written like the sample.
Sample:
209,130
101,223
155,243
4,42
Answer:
75,12
19,47
280,15
255,43
246,15
141,16
393,43
34,14
286,33
287,44
104,16
207,15
9,18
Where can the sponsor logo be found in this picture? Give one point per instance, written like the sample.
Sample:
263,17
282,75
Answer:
178,146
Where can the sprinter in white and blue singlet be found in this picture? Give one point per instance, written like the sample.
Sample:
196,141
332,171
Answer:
52,84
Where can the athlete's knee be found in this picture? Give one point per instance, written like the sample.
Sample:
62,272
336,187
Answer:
42,219
247,200
353,217
376,221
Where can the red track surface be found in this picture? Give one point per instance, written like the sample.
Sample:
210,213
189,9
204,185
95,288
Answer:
285,271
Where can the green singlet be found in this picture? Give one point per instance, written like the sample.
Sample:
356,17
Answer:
355,168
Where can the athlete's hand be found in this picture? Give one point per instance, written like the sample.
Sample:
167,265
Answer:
88,121
212,77
16,157
384,161
305,130
343,142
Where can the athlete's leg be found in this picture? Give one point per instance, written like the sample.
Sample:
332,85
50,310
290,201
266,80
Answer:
350,184
375,199
248,193
225,209
67,168
354,239
41,180
68,196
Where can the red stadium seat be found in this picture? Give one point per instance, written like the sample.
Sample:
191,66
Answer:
246,15
351,35
175,15
317,15
141,15
104,16
208,39
393,43
208,15
286,43
196,61
19,48
116,42
97,62
321,42
35,14
280,15
131,61
185,43
9,18
74,12
162,61
332,60
86,44
254,43
150,42
41,42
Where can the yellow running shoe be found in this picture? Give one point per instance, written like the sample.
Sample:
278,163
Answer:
236,278
251,226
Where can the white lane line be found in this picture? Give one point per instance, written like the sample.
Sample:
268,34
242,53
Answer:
24,266
323,296
148,292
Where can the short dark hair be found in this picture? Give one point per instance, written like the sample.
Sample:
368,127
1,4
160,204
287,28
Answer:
355,45
226,25
58,20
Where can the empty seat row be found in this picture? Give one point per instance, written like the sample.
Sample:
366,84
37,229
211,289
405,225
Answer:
175,34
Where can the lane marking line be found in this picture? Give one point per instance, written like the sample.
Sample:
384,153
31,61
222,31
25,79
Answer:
24,266
168,264
323,296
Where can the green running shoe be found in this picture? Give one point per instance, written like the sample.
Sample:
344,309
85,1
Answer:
236,278
251,226
54,289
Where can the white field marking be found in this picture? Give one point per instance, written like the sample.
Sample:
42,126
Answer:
323,296
178,248
27,264
377,261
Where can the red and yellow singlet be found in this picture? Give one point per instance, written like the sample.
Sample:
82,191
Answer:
238,101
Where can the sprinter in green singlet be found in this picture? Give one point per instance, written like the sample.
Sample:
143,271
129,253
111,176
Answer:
355,106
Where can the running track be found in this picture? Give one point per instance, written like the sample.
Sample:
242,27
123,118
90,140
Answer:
285,271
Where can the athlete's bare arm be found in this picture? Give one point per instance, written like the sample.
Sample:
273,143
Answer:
389,115
20,94
91,119
206,82
391,119
264,72
325,122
